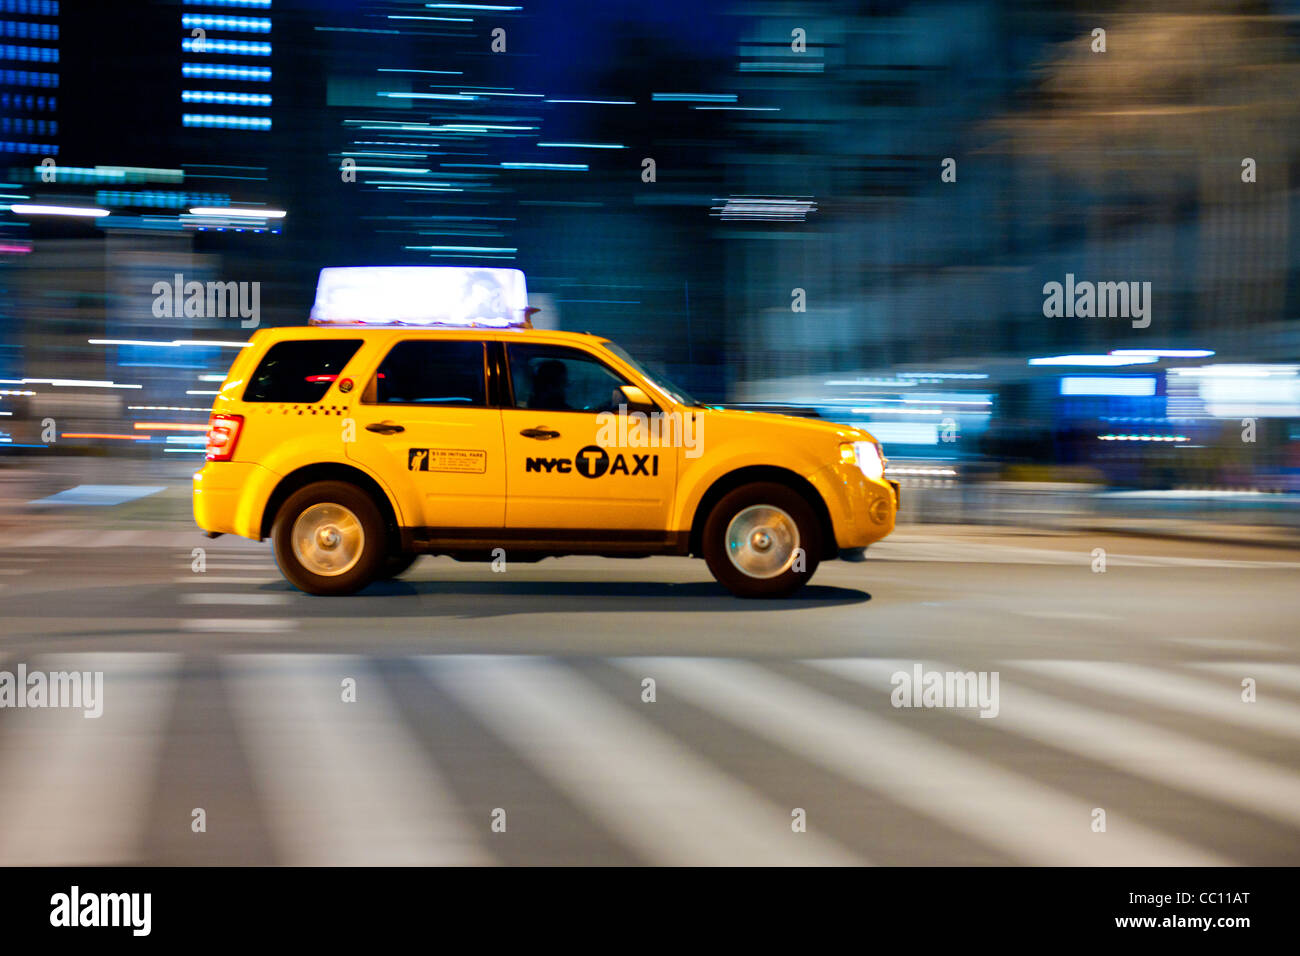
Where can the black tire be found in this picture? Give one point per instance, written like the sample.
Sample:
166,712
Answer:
788,575
395,564
366,530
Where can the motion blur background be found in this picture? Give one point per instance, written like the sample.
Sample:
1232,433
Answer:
794,241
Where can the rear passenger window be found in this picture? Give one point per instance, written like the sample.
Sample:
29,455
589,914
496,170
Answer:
432,372
299,371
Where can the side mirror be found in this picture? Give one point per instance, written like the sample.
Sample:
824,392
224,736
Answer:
635,398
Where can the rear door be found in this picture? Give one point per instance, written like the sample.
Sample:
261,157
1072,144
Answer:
565,472
424,423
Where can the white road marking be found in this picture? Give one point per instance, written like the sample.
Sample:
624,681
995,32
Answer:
172,540
55,539
1068,615
241,597
257,625
658,797
1027,819
203,579
1198,696
114,539
1227,643
969,552
1135,747
259,564
1286,676
346,783
76,790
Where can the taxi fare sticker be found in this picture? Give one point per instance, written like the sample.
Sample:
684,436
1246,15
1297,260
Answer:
462,460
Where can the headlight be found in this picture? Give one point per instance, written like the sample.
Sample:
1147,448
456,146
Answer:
868,456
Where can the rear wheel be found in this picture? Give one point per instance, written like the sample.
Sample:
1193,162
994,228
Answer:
329,538
762,540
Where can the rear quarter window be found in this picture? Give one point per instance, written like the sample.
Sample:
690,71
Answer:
432,372
299,371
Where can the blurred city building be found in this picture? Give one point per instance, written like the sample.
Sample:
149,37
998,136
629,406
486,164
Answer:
851,208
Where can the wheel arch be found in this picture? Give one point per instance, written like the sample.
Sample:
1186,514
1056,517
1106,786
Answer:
763,473
329,471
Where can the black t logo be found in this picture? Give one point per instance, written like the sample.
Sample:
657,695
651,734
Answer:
591,461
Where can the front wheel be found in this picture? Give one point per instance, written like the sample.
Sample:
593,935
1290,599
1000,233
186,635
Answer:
396,563
329,538
762,540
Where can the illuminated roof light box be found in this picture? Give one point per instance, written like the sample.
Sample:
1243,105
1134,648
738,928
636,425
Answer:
455,296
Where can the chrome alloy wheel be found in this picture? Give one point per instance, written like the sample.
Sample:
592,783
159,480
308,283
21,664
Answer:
328,539
762,540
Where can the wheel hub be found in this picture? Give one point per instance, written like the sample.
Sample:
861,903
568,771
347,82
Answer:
762,541
328,539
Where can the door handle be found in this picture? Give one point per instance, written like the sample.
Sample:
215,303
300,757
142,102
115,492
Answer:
385,428
541,434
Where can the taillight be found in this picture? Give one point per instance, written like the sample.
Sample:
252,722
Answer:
223,435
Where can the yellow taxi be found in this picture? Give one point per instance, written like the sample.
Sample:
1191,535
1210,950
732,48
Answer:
398,425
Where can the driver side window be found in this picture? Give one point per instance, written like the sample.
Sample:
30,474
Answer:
554,378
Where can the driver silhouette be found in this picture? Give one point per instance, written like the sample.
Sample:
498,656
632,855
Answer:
550,385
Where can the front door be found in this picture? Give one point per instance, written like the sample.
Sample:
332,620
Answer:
564,471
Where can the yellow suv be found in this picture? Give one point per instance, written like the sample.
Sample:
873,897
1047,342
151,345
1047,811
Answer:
358,447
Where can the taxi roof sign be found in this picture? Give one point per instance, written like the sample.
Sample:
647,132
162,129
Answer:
433,296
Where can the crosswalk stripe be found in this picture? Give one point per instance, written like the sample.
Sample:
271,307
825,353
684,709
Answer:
1162,561
247,597
67,538
239,625
1286,676
1026,818
1142,749
194,579
113,539
346,783
260,563
53,539
956,552
1229,643
1067,615
76,789
654,794
1193,695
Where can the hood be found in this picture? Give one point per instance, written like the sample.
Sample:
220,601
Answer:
808,426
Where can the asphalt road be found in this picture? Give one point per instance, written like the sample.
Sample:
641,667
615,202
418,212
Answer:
501,717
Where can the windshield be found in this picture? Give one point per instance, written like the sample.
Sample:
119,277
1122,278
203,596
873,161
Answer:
657,379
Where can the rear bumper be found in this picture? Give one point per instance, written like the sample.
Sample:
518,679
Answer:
862,511
226,497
